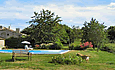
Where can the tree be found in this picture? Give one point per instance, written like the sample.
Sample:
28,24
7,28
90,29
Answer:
77,32
61,33
27,30
94,32
111,33
46,28
72,33
43,25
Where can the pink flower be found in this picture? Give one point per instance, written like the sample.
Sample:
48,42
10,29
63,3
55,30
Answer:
86,44
81,46
91,46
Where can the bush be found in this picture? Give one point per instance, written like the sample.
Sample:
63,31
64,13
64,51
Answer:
56,46
107,49
66,60
4,48
78,48
71,47
37,46
86,45
47,46
43,47
14,43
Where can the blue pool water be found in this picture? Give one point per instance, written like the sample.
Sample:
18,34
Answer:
39,51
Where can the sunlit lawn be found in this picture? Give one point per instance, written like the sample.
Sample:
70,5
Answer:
99,61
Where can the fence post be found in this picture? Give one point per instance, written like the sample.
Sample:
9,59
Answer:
13,56
30,56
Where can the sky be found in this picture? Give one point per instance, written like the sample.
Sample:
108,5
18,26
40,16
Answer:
73,12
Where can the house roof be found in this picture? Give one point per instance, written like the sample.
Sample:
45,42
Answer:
4,28
7,29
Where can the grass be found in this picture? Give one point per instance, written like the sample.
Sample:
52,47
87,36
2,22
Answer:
99,61
111,46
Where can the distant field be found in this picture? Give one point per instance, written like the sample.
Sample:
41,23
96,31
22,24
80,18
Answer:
99,61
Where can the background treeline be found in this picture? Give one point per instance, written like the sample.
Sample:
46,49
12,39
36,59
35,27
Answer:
45,27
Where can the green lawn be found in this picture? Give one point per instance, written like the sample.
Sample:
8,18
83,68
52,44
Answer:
99,61
111,46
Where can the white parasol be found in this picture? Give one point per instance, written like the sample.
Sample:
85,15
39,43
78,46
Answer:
25,42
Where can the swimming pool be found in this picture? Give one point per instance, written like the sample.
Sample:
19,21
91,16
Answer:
40,51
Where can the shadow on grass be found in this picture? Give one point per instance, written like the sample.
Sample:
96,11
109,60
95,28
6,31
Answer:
110,63
91,49
50,62
11,60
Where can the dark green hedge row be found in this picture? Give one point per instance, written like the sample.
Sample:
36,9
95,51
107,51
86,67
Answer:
14,43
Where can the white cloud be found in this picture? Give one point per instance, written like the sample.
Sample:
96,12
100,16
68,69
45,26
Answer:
70,20
69,13
111,4
19,25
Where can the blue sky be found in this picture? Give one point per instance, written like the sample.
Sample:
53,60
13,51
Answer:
72,12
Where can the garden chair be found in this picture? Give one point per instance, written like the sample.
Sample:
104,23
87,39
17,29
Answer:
28,48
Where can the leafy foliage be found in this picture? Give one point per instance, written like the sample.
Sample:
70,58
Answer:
66,59
57,45
27,31
111,33
107,49
45,28
71,47
14,43
43,25
94,32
